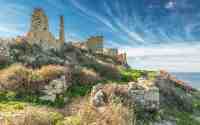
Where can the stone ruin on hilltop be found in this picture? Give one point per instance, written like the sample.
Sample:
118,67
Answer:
39,31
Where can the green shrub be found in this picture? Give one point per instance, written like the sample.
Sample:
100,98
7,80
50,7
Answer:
133,74
78,90
33,98
12,106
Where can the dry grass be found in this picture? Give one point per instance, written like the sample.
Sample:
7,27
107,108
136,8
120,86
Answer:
20,77
86,76
112,114
30,116
50,71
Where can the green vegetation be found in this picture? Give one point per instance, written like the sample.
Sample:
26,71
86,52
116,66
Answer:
28,115
78,90
133,74
12,106
181,117
39,67
32,98
167,113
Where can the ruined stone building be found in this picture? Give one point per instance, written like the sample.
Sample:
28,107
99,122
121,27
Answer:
95,44
39,30
110,51
122,58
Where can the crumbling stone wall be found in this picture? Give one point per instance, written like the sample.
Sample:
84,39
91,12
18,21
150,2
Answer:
39,30
111,51
147,99
95,44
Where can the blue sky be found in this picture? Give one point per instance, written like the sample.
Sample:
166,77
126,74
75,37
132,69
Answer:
156,34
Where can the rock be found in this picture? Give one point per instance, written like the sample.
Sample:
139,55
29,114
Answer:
54,88
173,93
51,98
99,99
133,93
4,52
145,98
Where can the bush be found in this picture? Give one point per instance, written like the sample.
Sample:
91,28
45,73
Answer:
34,55
129,75
15,77
18,77
50,72
85,76
78,90
105,70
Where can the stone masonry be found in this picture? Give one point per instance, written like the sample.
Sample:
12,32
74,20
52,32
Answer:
62,30
146,98
95,44
39,30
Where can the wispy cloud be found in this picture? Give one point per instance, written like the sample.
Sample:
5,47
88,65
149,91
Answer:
170,5
11,19
173,57
93,14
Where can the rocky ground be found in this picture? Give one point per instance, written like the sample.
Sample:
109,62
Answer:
71,86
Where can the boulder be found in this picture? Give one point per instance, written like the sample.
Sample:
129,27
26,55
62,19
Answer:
147,99
99,99
54,88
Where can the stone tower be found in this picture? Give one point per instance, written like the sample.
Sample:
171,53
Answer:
62,30
39,29
39,21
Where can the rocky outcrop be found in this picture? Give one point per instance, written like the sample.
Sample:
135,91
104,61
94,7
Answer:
145,98
174,92
4,51
54,89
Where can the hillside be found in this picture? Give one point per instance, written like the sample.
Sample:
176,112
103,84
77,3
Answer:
41,85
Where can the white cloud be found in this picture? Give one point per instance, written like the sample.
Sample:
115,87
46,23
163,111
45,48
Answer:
170,5
173,57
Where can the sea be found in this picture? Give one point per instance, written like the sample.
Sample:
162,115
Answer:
192,79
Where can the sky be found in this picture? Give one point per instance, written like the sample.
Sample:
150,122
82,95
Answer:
156,34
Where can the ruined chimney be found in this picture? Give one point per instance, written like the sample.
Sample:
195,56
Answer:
62,30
